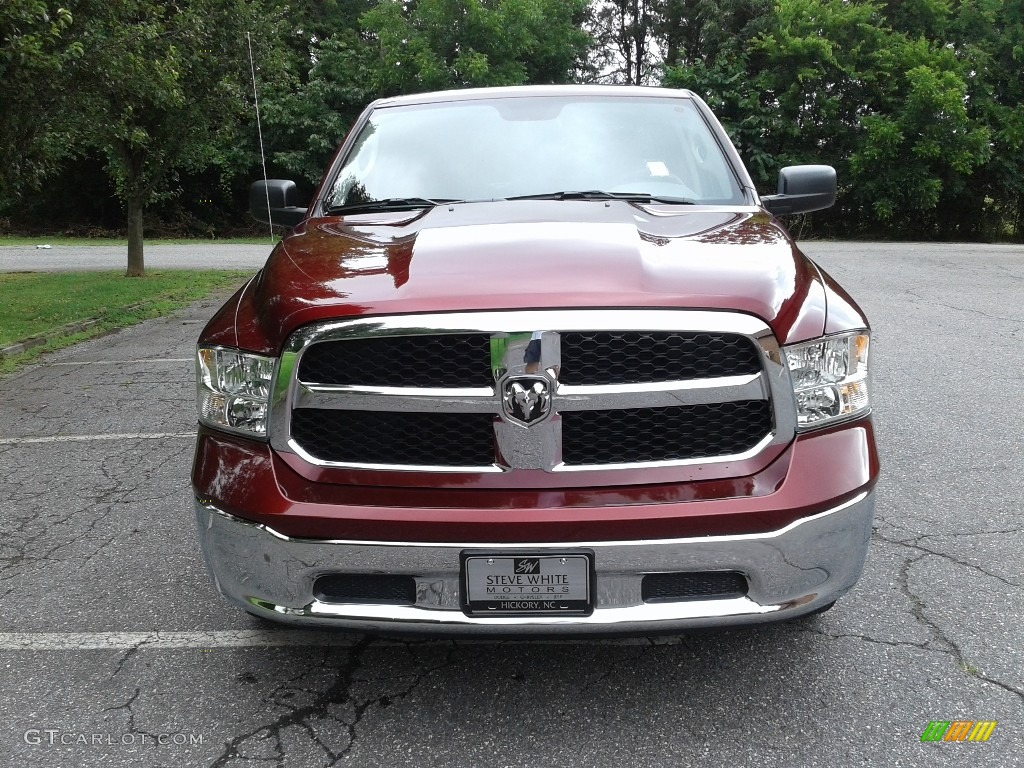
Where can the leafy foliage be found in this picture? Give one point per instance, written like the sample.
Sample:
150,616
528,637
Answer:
437,44
919,103
887,94
35,50
172,92
389,48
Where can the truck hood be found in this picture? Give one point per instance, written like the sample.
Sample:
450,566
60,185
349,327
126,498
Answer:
536,255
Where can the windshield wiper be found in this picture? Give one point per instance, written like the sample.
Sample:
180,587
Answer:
597,194
388,204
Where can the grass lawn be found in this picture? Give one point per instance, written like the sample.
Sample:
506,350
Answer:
40,303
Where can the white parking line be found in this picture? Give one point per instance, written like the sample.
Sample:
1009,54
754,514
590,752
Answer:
90,438
88,641
121,362
255,638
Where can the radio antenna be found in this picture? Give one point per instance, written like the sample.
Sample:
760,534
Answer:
259,130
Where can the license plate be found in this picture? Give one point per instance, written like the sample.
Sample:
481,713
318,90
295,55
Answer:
527,584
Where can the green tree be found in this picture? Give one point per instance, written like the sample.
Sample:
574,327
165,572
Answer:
306,120
355,52
709,48
728,86
626,49
165,89
919,103
835,82
434,44
707,31
988,36
921,150
35,112
326,73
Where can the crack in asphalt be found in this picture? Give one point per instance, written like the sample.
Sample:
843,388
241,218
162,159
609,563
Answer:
970,533
917,607
126,656
924,646
121,475
19,547
914,543
1009,272
131,715
969,310
339,692
639,653
940,641
914,535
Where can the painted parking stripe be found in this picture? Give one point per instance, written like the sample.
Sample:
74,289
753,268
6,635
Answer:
257,638
91,438
116,363
85,641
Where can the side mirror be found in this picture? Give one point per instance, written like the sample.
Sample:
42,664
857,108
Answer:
803,188
275,201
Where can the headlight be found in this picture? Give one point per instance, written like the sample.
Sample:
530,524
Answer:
233,389
829,377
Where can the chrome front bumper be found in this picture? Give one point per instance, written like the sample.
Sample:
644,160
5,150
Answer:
791,571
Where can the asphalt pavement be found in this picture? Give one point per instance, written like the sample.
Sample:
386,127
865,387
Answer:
115,650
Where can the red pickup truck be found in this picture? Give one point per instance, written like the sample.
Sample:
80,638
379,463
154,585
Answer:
536,360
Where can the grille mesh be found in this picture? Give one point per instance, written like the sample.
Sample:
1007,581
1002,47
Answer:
670,587
365,588
463,360
637,357
589,438
376,437
457,360
663,434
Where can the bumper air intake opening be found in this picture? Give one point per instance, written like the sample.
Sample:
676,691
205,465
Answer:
365,588
677,587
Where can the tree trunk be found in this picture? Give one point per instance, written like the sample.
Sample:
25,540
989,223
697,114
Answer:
135,196
639,40
136,266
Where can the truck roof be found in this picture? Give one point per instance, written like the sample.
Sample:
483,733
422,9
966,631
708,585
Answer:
521,91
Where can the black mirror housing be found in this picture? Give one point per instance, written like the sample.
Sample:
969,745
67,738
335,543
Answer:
275,201
803,188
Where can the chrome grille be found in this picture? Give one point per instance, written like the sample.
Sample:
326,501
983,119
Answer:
505,391
375,437
401,361
696,585
623,357
463,360
633,435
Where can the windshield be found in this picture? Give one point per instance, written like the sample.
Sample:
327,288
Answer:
513,147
